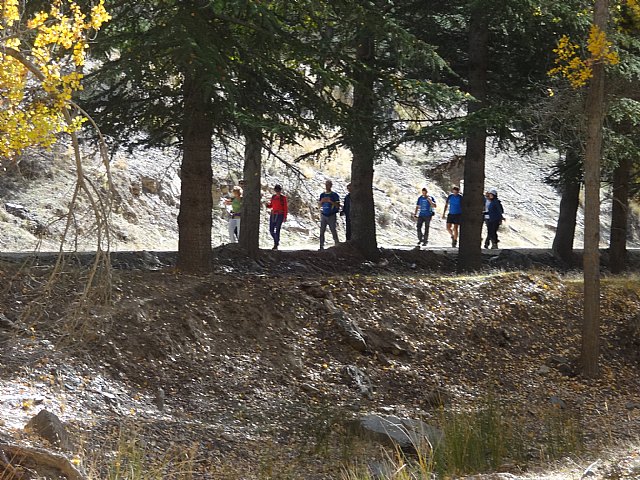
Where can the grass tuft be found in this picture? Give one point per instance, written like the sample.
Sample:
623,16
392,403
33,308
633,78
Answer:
478,440
129,457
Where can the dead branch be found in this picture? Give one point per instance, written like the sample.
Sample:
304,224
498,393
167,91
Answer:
19,453
100,209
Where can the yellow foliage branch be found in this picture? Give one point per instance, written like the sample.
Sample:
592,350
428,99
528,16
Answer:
34,116
577,70
37,82
633,7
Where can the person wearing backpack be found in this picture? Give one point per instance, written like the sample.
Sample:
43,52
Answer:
493,217
425,207
329,203
279,210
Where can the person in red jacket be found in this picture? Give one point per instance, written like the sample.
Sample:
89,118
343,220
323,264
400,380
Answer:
279,210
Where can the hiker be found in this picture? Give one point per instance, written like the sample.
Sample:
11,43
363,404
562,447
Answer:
493,218
346,212
454,202
329,204
424,212
234,215
486,201
279,209
241,184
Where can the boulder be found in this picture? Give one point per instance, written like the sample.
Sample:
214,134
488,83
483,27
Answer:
407,433
34,225
562,364
315,290
348,327
18,210
48,426
557,402
389,342
351,331
359,379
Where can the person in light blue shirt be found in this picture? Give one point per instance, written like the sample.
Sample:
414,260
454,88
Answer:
425,207
329,204
454,202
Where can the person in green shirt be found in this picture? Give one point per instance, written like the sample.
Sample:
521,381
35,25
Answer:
234,214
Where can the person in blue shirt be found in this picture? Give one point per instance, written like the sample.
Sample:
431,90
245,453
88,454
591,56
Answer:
329,204
346,213
454,202
425,207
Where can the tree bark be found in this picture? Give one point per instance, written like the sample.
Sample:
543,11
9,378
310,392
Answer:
362,146
619,217
566,229
470,254
250,223
194,218
590,352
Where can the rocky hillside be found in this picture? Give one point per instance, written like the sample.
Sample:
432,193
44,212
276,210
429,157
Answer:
35,196
287,370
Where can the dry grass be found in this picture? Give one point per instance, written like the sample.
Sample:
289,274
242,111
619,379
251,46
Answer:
127,455
477,440
392,190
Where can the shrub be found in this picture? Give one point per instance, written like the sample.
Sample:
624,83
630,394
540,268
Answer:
384,218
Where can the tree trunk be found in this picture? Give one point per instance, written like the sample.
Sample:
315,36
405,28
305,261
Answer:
362,145
619,217
470,254
565,232
250,223
566,229
194,219
595,111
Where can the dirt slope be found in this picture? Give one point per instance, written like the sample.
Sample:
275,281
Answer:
249,372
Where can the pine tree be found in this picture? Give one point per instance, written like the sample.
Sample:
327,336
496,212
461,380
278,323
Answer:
182,72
